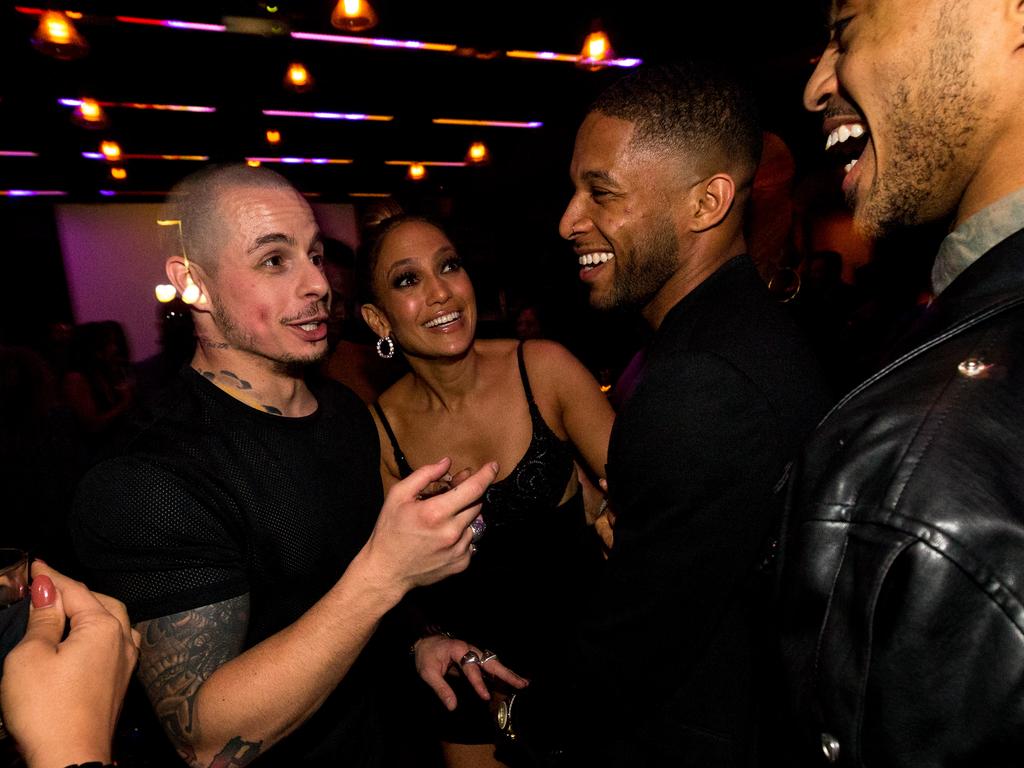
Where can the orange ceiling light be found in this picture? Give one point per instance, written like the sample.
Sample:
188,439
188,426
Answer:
353,16
119,173
110,150
89,114
298,78
597,50
273,137
417,172
478,154
56,36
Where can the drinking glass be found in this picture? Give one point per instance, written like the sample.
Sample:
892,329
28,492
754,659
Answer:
13,576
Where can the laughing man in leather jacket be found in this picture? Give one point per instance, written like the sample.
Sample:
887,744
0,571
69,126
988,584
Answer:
903,563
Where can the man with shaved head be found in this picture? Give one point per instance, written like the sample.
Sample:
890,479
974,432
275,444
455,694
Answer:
903,578
240,526
664,670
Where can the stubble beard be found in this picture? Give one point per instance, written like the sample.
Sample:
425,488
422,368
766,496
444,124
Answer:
244,341
929,130
640,274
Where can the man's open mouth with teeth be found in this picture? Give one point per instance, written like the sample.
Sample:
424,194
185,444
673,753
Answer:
443,320
849,140
590,260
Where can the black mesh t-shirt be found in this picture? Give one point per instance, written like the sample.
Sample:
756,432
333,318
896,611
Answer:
213,499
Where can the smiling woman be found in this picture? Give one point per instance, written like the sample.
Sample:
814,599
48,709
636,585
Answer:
530,406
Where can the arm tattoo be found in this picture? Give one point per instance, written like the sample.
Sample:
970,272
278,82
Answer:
178,654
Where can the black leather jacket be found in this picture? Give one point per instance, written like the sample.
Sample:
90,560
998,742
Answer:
903,562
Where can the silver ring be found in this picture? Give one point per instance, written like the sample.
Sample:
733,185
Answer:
470,657
478,526
487,656
472,549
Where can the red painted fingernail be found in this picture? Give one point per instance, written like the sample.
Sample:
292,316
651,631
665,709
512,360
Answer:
44,594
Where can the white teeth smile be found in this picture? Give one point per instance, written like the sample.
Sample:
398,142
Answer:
451,317
844,132
849,166
309,326
592,259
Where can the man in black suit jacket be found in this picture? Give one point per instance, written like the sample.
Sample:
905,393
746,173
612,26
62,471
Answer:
666,664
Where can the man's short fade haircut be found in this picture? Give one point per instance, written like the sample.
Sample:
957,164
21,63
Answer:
698,108
195,201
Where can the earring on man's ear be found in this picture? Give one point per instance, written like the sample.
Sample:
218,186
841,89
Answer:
391,347
191,294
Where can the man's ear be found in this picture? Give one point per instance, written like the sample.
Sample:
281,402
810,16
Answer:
188,279
376,320
712,200
1015,12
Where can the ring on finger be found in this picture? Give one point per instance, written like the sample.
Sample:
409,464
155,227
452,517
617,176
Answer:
470,657
486,656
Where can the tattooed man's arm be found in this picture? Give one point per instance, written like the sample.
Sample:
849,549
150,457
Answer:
178,654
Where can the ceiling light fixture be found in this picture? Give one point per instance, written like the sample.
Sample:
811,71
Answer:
378,41
89,114
119,173
597,49
300,160
298,78
487,123
436,163
326,115
273,137
56,36
101,156
417,172
31,192
477,154
111,150
353,15
137,105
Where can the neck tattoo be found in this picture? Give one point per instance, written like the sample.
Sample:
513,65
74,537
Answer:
238,388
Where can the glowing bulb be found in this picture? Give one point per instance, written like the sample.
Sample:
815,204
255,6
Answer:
273,137
353,15
596,49
76,15
417,171
58,29
165,293
477,152
89,114
253,163
118,173
298,74
90,110
56,36
298,78
191,293
111,150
